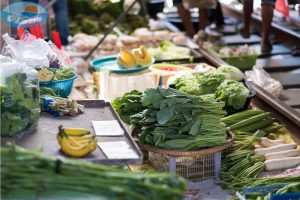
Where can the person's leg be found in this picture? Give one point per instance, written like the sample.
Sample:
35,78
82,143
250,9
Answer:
267,17
185,16
203,13
61,20
247,9
218,15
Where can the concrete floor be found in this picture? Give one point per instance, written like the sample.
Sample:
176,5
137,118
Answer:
206,190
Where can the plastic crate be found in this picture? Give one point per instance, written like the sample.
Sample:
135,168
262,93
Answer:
242,62
192,168
62,87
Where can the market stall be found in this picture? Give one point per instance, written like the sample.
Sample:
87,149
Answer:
143,114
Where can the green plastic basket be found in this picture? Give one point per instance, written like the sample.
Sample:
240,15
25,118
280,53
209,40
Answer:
242,62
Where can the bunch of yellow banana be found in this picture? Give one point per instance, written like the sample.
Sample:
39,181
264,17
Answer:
76,142
139,56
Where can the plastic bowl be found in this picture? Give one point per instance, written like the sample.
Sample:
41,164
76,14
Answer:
61,87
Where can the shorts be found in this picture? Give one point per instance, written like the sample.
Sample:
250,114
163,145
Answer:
177,2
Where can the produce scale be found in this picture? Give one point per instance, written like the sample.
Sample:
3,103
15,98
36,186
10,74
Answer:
119,100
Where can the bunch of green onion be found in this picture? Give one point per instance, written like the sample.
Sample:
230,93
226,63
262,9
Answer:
28,174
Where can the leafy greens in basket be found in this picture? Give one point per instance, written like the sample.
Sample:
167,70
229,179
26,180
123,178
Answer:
175,120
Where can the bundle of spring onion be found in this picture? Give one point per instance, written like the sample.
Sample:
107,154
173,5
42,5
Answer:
28,174
239,160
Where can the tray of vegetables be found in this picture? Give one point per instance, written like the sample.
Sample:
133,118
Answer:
50,137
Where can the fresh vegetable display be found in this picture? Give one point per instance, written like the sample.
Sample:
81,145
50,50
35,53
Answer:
45,74
253,153
168,50
29,174
76,142
175,120
20,109
129,104
56,105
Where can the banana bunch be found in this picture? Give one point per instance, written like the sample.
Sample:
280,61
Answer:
134,58
76,142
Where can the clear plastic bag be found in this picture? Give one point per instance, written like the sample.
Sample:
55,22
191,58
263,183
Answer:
35,52
20,103
264,80
201,4
29,50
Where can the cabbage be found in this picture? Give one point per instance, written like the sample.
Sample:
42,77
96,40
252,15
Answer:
231,72
233,93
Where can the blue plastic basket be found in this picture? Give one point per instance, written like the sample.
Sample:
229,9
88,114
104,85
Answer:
269,188
62,87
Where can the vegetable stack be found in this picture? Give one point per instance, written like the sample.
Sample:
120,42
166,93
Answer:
175,120
29,174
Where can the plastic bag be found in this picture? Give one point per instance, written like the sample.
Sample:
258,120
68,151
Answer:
29,50
264,80
20,103
201,4
35,52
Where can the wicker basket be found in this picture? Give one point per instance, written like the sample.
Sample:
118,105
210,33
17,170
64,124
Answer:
193,165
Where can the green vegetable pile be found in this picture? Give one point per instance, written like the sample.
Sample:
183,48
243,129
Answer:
175,120
240,166
29,174
130,103
168,50
94,16
19,104
233,93
201,83
62,73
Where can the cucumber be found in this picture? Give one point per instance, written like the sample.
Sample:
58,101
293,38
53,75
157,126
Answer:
248,121
257,125
232,119
272,128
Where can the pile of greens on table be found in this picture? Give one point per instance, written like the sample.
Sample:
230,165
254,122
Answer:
29,174
19,104
174,120
232,92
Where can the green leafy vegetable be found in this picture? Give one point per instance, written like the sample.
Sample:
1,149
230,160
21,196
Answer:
19,104
130,103
175,120
233,93
231,72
